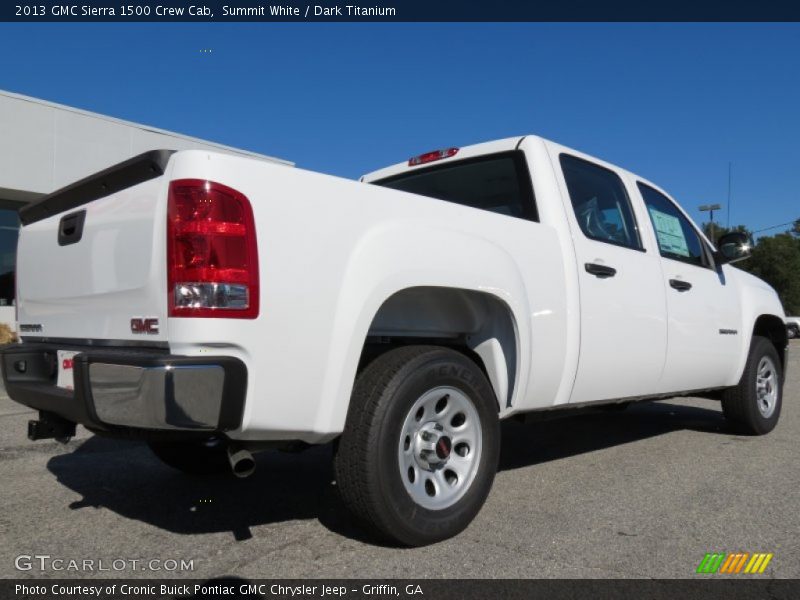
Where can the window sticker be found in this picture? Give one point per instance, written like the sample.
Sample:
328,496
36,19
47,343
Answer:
669,233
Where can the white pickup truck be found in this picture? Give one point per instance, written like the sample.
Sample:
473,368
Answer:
215,305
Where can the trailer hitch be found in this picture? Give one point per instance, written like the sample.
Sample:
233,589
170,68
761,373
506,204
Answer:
50,426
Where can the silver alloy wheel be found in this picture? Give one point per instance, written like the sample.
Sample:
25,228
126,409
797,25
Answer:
766,387
440,447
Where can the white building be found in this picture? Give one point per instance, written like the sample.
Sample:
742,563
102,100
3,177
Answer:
45,146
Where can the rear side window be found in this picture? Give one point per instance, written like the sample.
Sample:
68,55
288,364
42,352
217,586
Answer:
600,202
498,183
677,239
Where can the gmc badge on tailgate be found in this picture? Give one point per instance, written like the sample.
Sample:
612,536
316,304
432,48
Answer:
145,325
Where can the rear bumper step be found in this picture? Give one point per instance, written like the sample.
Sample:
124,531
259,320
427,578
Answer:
126,389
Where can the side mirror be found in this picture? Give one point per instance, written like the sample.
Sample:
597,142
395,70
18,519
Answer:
733,247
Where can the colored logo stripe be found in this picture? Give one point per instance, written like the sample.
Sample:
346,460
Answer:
711,562
722,562
734,562
758,563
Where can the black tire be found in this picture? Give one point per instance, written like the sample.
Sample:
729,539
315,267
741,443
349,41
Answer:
367,465
792,332
740,404
204,457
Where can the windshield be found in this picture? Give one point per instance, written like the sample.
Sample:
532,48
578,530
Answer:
498,183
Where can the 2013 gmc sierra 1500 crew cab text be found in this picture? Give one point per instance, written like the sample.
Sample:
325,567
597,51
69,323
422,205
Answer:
216,305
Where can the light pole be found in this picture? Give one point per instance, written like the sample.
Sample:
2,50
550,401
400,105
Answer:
710,208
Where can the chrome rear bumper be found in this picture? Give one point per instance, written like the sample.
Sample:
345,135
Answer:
121,389
161,397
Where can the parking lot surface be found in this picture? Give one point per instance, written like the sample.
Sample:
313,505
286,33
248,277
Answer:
641,493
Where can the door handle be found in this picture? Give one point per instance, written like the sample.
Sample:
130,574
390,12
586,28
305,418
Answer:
600,271
70,228
680,285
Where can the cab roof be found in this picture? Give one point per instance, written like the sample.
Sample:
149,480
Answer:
461,153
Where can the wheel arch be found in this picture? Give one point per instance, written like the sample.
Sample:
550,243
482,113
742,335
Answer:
478,324
443,288
773,328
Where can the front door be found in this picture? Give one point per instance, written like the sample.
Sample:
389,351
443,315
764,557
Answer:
704,341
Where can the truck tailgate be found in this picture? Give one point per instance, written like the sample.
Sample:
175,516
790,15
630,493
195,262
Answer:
91,257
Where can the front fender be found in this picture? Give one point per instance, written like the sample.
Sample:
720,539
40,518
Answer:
758,299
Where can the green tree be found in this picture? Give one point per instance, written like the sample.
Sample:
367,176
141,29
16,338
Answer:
776,260
720,230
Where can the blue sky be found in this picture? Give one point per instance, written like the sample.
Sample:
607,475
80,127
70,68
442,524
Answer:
674,103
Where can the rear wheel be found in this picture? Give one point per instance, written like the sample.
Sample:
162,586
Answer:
420,447
205,457
754,406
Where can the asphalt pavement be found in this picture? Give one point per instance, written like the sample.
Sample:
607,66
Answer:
642,493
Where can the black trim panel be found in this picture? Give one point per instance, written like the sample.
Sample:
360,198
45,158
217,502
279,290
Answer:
79,344
36,386
133,171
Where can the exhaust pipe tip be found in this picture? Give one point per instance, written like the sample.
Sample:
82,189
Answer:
242,462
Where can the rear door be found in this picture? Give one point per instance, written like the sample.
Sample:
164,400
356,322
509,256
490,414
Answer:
623,331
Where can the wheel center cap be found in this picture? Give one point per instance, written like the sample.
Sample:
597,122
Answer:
432,447
443,447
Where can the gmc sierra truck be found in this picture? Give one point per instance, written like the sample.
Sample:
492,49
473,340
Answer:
215,306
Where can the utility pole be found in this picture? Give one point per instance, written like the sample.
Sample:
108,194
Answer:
710,208
730,168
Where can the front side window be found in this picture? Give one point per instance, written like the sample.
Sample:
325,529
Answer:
600,202
677,239
498,183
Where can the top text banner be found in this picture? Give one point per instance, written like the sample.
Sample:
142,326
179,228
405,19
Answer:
404,11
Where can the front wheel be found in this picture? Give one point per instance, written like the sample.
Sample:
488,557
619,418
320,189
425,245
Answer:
420,447
754,406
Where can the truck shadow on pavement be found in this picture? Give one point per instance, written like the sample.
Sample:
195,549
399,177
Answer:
526,444
126,478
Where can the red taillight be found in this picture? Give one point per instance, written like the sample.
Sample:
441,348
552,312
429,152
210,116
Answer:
432,156
212,256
